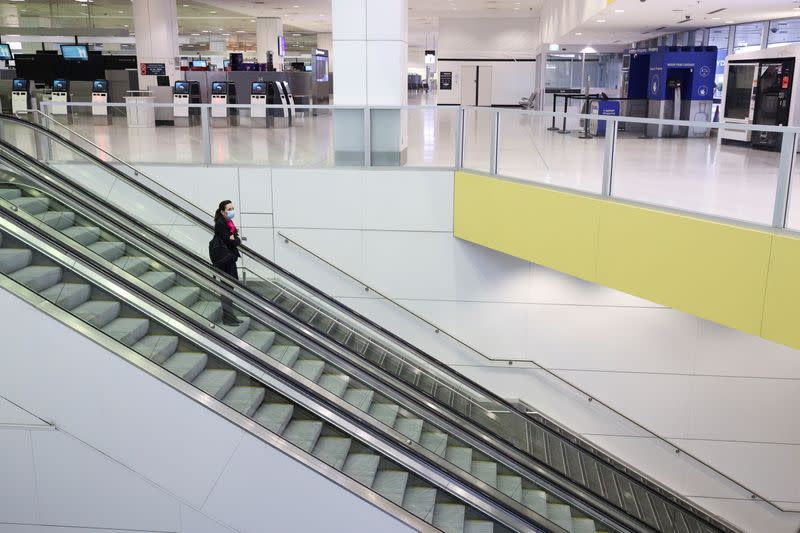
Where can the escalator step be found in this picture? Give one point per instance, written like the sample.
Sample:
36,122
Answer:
187,365
334,383
160,281
478,526
511,486
359,398
13,259
38,278
59,220
108,250
68,295
536,500
420,502
560,514
261,340
410,427
31,204
241,329
274,416
128,331
460,456
485,471
210,310
583,525
186,296
435,441
284,354
157,348
135,266
84,235
391,484
309,368
97,313
385,412
10,194
303,433
332,450
216,382
449,517
362,467
245,399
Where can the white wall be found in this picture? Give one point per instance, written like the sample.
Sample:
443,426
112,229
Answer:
724,395
559,17
131,453
488,38
511,81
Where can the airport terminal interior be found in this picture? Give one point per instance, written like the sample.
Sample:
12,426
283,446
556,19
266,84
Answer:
399,265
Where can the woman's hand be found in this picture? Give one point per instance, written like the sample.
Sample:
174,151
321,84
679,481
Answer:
232,238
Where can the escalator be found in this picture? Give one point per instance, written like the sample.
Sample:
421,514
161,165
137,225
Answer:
520,464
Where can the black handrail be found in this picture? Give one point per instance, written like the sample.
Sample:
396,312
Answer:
702,515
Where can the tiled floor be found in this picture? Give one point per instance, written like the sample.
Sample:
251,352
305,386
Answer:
696,174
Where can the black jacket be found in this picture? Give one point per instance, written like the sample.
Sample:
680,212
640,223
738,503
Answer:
222,234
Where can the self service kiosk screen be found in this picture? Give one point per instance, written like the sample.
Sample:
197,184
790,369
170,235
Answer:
219,87
19,85
75,52
100,86
60,86
258,87
5,51
200,63
181,87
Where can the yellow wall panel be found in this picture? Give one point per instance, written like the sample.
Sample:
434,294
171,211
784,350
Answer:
782,301
734,275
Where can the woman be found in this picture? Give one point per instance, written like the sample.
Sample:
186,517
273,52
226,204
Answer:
224,252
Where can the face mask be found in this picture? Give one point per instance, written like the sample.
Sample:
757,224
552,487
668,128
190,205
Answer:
230,214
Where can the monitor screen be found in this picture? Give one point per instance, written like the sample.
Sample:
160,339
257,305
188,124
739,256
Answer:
309,68
226,63
60,86
219,87
181,87
100,86
75,52
281,45
200,63
5,51
19,85
258,87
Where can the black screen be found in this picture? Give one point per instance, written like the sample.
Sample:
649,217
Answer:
19,85
219,87
181,87
60,86
258,87
100,86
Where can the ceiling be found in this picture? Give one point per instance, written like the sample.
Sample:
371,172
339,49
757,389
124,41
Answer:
203,21
628,21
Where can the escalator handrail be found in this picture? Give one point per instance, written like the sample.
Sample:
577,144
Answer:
331,409
252,254
559,486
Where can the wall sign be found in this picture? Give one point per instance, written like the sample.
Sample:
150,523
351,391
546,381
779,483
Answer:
153,69
446,81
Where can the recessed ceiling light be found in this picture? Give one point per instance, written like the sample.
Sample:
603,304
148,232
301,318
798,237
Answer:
619,11
728,22
213,12
579,33
196,34
601,20
240,31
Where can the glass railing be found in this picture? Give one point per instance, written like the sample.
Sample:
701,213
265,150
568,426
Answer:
62,218
698,167
188,225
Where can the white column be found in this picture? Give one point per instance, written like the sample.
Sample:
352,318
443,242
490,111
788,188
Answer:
370,43
325,42
156,26
267,32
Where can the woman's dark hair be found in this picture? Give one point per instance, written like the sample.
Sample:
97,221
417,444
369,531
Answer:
218,214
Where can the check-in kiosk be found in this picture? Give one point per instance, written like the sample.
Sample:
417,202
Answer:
186,92
100,102
259,98
283,115
223,93
20,95
59,97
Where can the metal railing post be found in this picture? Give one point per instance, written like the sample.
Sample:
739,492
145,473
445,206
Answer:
788,149
367,137
493,142
459,162
612,127
205,127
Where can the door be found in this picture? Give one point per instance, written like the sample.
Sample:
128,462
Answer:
469,85
485,86
740,92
